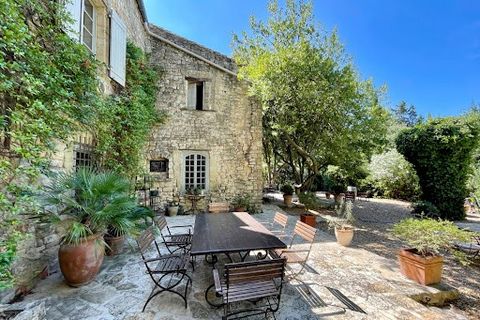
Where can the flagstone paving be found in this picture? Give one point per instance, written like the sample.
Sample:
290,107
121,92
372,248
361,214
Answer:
372,282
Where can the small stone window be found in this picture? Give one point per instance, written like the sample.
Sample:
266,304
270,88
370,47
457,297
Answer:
195,94
88,34
83,156
159,165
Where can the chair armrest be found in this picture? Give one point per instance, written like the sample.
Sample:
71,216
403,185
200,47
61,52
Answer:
216,279
167,256
179,226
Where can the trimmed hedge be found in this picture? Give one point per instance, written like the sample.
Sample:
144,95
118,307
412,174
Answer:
441,150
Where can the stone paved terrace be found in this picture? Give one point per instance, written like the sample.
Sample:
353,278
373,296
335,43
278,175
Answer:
119,291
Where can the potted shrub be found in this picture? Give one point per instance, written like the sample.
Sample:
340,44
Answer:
427,239
173,206
343,224
309,200
241,203
86,203
287,191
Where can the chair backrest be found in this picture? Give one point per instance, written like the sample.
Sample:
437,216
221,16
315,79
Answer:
218,207
161,222
304,231
254,271
281,219
145,240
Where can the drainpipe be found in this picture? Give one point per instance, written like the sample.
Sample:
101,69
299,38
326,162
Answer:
176,46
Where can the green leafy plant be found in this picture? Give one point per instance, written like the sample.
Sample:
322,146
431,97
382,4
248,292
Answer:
441,152
426,209
308,199
287,189
93,201
345,218
432,237
242,201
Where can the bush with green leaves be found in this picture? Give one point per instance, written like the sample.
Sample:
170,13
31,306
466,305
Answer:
345,218
441,150
94,202
433,237
287,189
425,209
393,177
309,200
242,201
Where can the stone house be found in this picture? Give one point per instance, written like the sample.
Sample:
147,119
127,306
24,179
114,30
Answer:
212,139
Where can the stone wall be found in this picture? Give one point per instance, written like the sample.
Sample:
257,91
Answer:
229,131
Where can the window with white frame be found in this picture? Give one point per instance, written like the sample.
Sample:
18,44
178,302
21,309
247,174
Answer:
195,171
88,26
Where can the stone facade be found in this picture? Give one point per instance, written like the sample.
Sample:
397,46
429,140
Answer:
228,131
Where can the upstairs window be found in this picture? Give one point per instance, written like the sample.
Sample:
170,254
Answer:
88,26
195,94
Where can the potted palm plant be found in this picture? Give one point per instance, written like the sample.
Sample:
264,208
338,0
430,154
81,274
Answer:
287,191
86,203
427,240
241,203
343,223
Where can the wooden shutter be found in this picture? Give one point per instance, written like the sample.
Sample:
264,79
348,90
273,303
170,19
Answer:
74,8
192,95
118,48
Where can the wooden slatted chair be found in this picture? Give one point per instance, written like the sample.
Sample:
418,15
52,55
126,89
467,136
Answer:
174,241
167,271
295,256
247,281
218,207
281,220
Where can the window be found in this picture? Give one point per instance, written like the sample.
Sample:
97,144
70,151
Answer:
195,172
83,156
88,26
195,95
159,165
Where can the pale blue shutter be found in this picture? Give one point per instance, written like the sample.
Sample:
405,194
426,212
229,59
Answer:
74,8
118,48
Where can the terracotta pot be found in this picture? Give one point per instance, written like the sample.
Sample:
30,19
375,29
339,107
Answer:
344,236
114,245
287,199
424,270
172,211
309,219
240,209
80,263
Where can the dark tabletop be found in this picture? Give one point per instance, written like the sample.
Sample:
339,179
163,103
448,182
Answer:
231,232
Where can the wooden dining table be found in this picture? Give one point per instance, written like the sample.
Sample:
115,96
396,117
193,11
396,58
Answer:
233,232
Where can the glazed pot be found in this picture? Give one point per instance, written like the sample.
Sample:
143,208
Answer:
344,236
287,199
80,263
309,219
114,244
172,211
240,209
423,270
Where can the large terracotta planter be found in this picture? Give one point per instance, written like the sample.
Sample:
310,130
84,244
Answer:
80,263
309,219
344,236
424,270
287,199
114,245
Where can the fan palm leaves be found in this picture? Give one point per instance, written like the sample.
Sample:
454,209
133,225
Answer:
93,202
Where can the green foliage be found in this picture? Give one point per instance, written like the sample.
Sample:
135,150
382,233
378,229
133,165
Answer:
287,189
48,89
345,218
336,179
316,111
441,150
425,208
406,115
125,120
432,237
242,201
94,201
393,177
309,200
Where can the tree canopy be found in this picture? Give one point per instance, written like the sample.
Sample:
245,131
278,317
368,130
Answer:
316,110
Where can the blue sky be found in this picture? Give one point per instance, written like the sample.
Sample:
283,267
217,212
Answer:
427,52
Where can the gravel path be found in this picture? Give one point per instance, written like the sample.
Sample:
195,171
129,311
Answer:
374,219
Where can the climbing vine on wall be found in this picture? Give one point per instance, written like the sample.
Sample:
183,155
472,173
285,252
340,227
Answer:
126,119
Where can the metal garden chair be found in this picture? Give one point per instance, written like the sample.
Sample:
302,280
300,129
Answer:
174,241
167,271
251,281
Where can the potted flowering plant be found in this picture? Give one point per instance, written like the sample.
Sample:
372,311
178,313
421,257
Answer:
343,223
427,239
